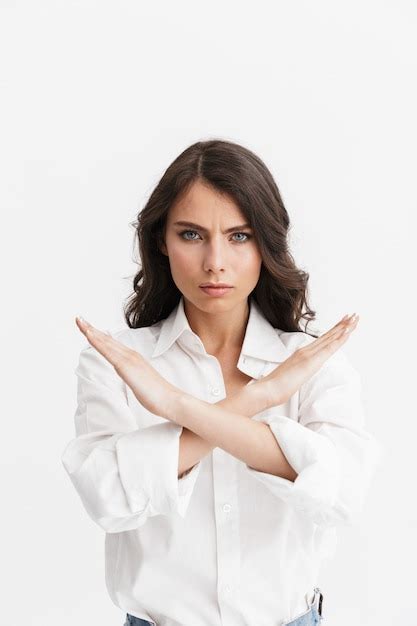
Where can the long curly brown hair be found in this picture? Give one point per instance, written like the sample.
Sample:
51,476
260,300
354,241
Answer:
281,291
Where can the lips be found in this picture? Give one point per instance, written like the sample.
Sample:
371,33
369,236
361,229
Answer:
216,291
215,285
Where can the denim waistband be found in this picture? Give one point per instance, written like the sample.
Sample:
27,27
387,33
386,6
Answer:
316,601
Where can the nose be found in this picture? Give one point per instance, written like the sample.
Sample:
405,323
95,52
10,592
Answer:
214,257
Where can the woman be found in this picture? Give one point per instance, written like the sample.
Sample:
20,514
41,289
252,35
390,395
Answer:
219,444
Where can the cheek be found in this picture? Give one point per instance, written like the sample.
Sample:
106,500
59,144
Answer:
250,262
179,257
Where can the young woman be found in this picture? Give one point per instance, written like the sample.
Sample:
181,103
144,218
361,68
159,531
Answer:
218,444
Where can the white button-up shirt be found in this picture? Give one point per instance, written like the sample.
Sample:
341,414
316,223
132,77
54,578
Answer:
225,544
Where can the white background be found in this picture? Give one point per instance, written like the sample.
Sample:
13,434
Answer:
97,99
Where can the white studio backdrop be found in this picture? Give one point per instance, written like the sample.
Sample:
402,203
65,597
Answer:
97,99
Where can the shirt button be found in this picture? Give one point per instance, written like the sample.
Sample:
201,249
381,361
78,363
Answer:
226,508
215,391
227,588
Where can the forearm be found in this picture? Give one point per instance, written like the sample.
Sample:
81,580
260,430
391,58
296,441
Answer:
220,425
251,400
192,449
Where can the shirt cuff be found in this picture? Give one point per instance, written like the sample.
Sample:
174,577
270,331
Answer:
327,488
148,467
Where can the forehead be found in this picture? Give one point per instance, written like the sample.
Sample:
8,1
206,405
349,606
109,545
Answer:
203,202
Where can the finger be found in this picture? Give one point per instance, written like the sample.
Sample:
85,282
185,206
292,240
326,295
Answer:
109,347
344,330
346,323
334,342
335,330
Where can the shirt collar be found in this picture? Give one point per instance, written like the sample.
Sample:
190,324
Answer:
261,339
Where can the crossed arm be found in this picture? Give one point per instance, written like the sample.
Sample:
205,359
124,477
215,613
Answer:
225,424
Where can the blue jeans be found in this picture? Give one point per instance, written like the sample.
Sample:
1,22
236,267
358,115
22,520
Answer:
312,617
131,620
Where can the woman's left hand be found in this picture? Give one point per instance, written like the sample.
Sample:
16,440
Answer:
151,389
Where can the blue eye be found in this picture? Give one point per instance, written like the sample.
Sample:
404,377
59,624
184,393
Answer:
187,231
184,232
246,235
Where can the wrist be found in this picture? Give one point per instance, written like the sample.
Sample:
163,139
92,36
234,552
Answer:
174,406
252,399
271,392
182,406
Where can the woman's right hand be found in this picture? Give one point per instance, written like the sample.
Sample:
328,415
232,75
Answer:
288,377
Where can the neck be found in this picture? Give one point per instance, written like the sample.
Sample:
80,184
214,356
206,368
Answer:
220,331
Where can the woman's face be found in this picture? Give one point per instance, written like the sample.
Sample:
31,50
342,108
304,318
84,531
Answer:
207,252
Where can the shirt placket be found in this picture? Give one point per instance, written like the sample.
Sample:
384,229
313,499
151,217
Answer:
226,515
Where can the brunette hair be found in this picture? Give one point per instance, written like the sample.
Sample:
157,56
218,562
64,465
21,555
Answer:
229,168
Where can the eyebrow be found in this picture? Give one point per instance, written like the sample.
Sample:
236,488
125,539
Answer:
204,230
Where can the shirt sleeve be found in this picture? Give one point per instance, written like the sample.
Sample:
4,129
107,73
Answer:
328,446
123,474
